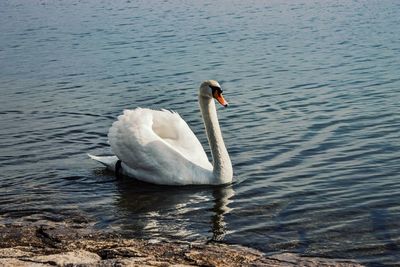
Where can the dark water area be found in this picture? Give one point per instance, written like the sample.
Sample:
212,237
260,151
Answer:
313,129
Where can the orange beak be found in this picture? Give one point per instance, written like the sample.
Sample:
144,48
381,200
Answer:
218,96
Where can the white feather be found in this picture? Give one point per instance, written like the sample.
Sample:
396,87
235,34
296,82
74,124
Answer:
108,161
157,146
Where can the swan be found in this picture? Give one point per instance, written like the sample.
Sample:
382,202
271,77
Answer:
157,146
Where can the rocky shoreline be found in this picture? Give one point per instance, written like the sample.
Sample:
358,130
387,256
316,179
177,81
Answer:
22,245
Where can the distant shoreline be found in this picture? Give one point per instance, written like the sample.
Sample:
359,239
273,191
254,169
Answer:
62,245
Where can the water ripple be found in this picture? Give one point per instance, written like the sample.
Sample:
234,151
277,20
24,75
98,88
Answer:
312,129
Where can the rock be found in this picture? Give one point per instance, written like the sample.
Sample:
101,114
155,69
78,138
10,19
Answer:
11,262
14,253
62,246
73,258
296,260
124,252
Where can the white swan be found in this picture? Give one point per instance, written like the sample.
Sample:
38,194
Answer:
159,147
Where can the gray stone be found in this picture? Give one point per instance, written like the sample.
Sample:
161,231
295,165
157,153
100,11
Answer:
73,258
62,246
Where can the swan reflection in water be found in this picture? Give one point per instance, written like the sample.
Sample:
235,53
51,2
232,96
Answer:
165,212
222,197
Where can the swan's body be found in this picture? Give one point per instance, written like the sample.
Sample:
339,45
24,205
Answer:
159,147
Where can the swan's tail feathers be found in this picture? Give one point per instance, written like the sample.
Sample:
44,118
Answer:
108,161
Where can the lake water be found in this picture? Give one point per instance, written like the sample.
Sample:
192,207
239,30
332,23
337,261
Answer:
313,129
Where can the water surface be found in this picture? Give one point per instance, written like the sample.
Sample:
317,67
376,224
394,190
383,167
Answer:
313,128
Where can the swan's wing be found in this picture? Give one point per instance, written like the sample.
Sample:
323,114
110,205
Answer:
132,133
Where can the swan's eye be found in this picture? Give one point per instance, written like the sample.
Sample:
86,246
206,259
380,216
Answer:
216,89
217,94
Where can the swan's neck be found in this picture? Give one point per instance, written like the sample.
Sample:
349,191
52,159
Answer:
222,171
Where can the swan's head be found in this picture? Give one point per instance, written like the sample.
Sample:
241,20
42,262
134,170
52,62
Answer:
211,89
